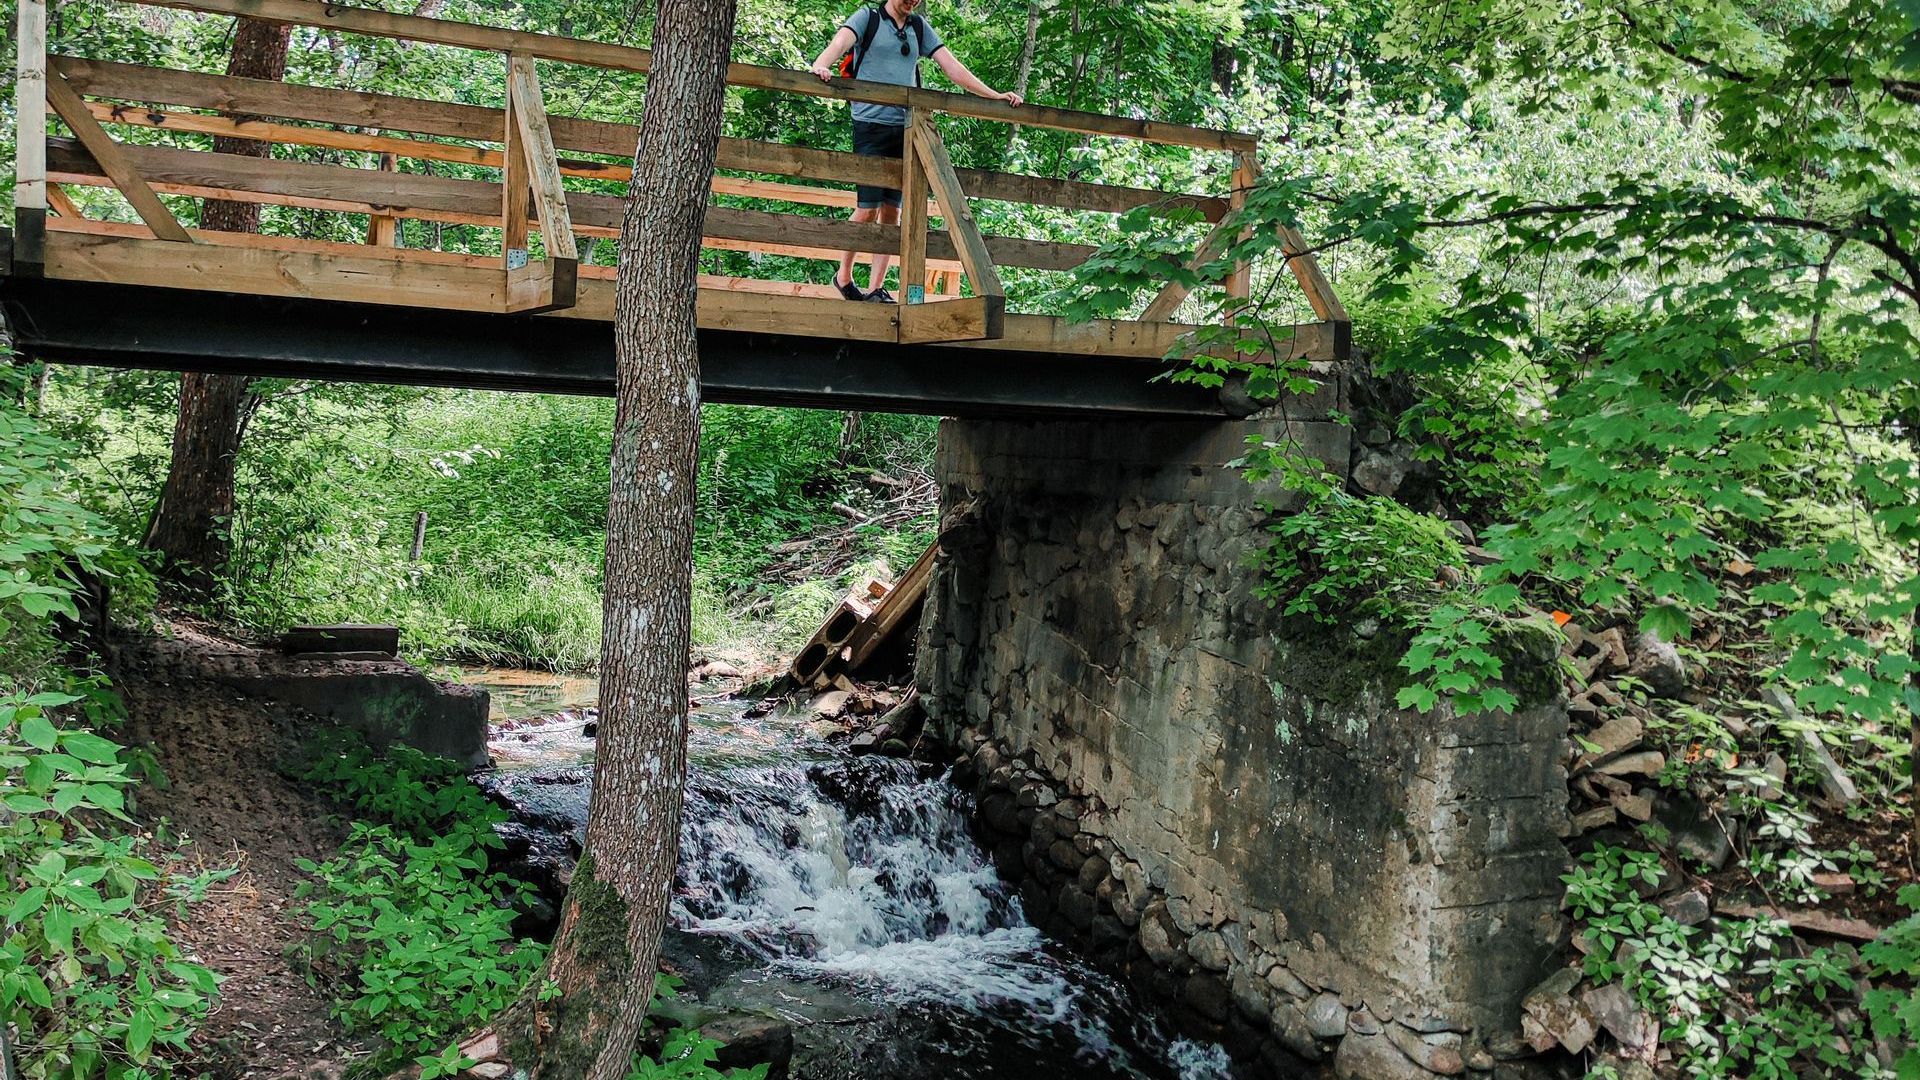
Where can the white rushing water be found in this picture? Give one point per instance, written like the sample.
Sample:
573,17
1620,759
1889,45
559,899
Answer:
860,873
858,876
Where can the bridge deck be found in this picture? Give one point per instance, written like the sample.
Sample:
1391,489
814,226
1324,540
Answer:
122,281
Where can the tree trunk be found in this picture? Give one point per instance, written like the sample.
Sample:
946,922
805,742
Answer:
850,433
190,523
608,945
1026,48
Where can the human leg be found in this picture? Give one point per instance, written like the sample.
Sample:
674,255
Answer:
845,276
889,214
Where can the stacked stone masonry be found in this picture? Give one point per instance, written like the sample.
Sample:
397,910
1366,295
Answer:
1231,812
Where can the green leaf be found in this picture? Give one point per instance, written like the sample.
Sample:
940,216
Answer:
38,732
90,747
28,903
139,1034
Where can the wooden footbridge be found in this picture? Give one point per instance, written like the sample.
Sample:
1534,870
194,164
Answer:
140,289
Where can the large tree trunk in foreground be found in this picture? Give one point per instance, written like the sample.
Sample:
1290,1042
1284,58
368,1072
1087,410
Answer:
608,945
190,524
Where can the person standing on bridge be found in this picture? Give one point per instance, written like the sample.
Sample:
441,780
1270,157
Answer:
888,42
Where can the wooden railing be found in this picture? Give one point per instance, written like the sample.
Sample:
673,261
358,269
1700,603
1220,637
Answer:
525,144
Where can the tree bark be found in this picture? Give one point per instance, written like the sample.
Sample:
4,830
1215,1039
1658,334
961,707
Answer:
607,948
1026,48
190,523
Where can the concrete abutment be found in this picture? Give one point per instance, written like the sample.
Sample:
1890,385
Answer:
1232,811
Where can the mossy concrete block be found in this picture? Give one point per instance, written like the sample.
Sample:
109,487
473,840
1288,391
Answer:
1259,770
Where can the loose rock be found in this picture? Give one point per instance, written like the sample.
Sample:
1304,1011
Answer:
1657,663
1438,1057
1326,1017
1551,1016
1374,1057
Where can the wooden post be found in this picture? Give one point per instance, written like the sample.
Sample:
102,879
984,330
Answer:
913,214
30,140
383,230
554,284
937,167
516,185
419,536
1246,169
541,160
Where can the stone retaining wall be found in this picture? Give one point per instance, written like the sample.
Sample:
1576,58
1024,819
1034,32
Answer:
1229,809
386,700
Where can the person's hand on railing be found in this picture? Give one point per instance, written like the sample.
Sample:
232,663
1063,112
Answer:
1012,98
821,69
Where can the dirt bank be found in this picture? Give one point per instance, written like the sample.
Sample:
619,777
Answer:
224,804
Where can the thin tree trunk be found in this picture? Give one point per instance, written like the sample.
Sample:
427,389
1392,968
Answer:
607,948
190,523
1026,48
850,430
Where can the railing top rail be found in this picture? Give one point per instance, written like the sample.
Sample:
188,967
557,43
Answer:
628,58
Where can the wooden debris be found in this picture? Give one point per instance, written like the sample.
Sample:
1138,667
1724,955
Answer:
860,625
1812,922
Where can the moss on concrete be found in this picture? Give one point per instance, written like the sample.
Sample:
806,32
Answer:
1332,663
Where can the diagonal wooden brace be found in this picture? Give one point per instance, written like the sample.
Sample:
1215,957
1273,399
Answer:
113,160
533,175
931,155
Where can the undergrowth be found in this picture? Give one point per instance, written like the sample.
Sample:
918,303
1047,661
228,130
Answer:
91,985
411,931
1743,998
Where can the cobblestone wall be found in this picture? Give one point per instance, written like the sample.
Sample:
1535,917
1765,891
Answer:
1232,812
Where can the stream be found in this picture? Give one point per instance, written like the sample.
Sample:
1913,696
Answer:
845,896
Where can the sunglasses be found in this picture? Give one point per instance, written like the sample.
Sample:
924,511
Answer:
901,33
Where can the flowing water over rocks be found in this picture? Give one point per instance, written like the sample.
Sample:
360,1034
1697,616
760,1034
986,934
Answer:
846,897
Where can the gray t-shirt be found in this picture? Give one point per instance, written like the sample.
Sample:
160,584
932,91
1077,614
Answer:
883,62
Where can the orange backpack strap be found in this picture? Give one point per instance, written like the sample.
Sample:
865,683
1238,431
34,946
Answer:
850,63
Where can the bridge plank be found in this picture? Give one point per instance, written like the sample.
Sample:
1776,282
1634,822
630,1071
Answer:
76,223
396,277
292,101
311,269
476,202
970,319
625,58
422,149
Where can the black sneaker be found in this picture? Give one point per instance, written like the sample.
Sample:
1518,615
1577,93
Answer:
850,291
880,296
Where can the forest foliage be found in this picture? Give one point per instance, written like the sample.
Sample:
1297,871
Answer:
1649,271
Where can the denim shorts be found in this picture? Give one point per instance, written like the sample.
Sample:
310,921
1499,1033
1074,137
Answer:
878,140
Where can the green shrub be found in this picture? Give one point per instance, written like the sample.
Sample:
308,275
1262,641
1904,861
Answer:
47,540
1894,1010
88,976
410,929
418,932
1735,999
1344,556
